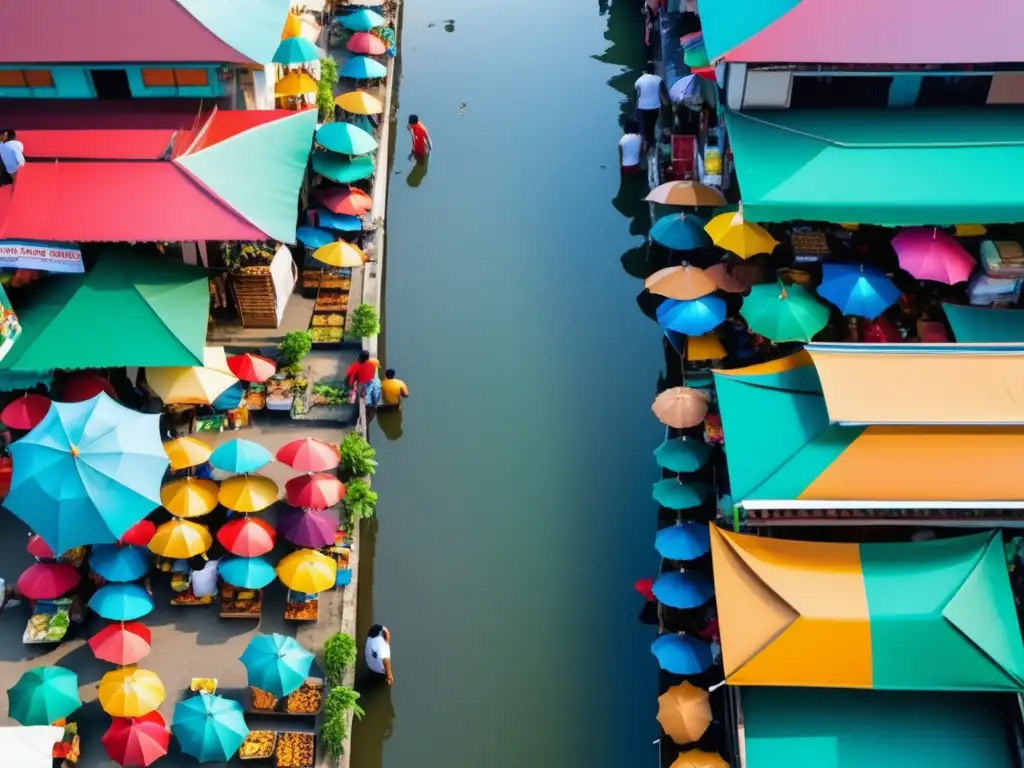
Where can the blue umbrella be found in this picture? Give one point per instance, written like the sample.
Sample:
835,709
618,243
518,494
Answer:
345,138
295,50
230,398
276,664
682,655
683,589
314,238
692,317
340,222
246,572
684,454
673,494
363,68
362,20
117,563
87,472
121,602
342,169
209,727
680,232
857,289
361,121
240,456
683,541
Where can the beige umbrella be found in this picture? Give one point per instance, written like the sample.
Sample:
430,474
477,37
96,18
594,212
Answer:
193,385
698,758
684,713
684,283
685,193
681,407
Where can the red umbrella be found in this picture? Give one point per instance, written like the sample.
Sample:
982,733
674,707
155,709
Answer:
365,43
139,535
347,200
45,581
138,741
309,455
314,491
645,588
39,548
85,386
247,537
122,643
25,412
252,367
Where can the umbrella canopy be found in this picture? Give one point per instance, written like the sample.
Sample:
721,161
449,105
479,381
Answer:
680,407
309,455
343,170
857,289
311,237
292,26
130,692
210,728
186,452
362,20
121,602
683,541
85,385
140,534
734,278
362,68
247,537
46,581
679,231
783,313
684,713
705,347
230,398
307,571
137,741
246,572
188,386
240,456
43,695
276,664
25,412
125,643
87,473
698,758
253,368
365,43
180,539
39,548
673,494
683,589
688,193
681,654
189,497
682,454
340,222
691,317
295,84
346,139
931,254
307,528
737,235
359,103
683,283
248,493
340,254
117,563
295,50
344,200
318,491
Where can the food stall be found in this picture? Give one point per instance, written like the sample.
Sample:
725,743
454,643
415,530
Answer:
238,603
181,586
300,606
51,620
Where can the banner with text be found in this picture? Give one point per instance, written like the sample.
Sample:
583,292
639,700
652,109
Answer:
47,257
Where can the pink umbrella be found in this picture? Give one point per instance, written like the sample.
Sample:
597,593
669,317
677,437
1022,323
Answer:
365,43
931,254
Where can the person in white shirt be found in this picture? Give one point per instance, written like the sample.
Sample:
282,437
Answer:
630,147
204,580
650,94
12,155
378,652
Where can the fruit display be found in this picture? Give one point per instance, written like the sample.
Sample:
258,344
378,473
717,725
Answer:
307,699
256,397
258,744
240,603
335,300
307,611
263,700
203,685
47,628
294,750
323,335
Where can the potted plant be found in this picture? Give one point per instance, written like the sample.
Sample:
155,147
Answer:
357,457
365,322
294,346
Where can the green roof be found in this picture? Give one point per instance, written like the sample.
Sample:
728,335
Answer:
129,310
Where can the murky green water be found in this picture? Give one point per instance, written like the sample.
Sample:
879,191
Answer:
515,508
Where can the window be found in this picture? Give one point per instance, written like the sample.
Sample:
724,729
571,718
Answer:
192,77
853,92
158,78
954,91
111,84
26,78
171,78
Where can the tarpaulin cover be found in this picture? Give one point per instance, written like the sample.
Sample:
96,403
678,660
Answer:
931,615
787,162
782,451
981,325
727,23
110,144
795,727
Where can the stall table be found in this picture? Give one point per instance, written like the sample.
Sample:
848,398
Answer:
301,607
51,620
240,603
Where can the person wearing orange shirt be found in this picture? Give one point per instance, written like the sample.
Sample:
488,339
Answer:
392,391
422,146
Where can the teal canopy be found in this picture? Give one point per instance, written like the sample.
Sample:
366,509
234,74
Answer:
981,325
727,23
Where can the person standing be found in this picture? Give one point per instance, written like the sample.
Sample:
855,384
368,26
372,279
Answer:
650,93
630,146
361,372
12,155
378,652
422,146
392,390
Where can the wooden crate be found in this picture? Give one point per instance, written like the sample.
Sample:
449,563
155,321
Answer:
257,303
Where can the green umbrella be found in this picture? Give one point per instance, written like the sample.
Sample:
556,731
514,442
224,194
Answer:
673,494
682,454
43,695
783,312
342,169
346,139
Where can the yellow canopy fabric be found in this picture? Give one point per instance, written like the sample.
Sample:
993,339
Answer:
189,497
193,386
185,452
706,347
248,493
734,233
130,692
359,103
292,27
698,758
180,539
295,84
307,570
684,713
340,254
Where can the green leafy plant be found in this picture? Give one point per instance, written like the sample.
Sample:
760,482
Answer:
295,346
333,731
325,89
339,655
340,701
365,322
357,456
360,502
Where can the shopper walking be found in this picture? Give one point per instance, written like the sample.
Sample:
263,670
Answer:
650,94
630,147
378,652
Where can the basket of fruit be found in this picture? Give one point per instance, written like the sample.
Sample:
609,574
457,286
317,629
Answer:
258,745
263,701
308,699
295,750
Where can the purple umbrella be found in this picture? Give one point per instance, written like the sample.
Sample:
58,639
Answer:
309,528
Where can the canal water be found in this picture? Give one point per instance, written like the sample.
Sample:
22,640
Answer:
515,510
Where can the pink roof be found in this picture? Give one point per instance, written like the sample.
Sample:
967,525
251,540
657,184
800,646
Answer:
888,32
92,114
117,144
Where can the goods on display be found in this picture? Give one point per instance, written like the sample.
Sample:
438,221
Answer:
258,744
262,700
240,603
294,750
307,699
308,610
50,622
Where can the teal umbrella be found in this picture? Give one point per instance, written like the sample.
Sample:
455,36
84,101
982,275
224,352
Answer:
363,68
209,727
683,454
276,663
673,494
240,456
43,695
346,139
783,312
362,20
342,169
246,572
295,50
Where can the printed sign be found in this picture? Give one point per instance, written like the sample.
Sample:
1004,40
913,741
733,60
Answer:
10,328
46,257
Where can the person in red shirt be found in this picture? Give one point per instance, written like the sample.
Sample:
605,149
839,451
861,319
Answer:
422,146
361,372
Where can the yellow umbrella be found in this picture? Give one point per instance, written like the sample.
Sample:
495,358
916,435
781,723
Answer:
189,497
130,692
684,713
295,84
744,238
193,386
292,27
706,347
698,758
180,539
247,493
359,103
185,452
307,571
340,254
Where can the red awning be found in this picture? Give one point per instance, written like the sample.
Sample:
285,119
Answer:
117,144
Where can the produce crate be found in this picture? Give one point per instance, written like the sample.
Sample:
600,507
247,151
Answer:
257,696
266,750
313,691
257,302
287,744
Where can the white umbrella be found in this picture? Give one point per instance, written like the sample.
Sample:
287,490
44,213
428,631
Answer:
29,746
686,89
